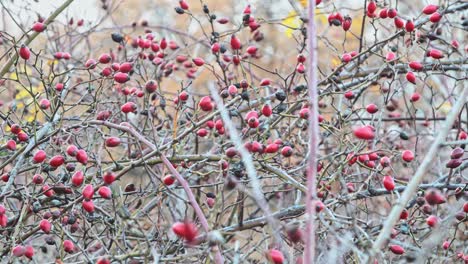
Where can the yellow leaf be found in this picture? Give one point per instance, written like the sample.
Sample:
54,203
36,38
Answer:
52,62
303,3
13,76
30,118
445,107
336,62
23,94
292,22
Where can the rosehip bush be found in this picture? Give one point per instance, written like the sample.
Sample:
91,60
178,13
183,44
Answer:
197,132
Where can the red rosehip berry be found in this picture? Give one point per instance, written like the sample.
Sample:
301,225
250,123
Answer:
88,192
206,104
364,132
231,152
109,177
300,68
417,66
57,161
24,52
169,180
388,183
399,23
390,57
59,87
404,214
128,107
346,58
265,82
105,58
371,7
272,148
251,50
48,191
183,4
301,58
347,23
432,220
407,155
126,67
78,178
319,206
266,110
38,179
275,256
304,113
410,77
383,13
38,27
436,54
215,47
72,150
11,145
68,246
88,206
105,192
392,13
409,26
113,142
286,151
185,230
90,64
23,137
198,61
349,95
82,156
454,163
415,97
430,9
396,249
15,129
385,161
45,226
446,245
457,153
29,252
44,104
18,251
106,72
372,108
39,156
434,197
202,132
235,43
